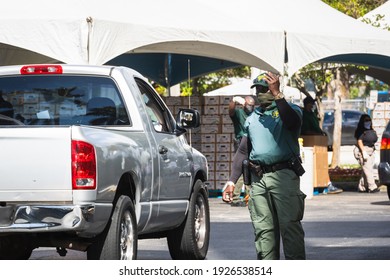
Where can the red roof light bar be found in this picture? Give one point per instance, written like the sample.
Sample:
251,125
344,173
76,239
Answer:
41,69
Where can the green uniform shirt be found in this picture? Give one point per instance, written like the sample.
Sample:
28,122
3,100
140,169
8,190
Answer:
238,120
271,141
310,123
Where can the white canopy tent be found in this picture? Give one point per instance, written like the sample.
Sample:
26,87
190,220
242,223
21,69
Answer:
94,32
309,31
328,33
249,32
242,87
380,16
43,31
314,31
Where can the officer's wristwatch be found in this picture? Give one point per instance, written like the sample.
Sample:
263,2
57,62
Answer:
280,95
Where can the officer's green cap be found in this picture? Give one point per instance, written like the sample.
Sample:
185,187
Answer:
260,81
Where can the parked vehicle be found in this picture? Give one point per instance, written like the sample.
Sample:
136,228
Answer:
92,160
350,119
384,162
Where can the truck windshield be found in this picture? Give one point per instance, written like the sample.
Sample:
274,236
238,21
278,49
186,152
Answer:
61,100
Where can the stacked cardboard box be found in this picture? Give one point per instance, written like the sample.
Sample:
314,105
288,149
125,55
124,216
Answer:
217,138
214,138
29,105
380,118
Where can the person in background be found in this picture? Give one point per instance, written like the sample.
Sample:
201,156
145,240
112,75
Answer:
310,123
311,126
364,152
238,117
6,107
276,203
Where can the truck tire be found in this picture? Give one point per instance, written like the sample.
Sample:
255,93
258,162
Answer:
15,248
190,241
388,191
120,241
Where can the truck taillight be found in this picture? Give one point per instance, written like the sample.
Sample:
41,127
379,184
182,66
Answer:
83,165
41,69
385,143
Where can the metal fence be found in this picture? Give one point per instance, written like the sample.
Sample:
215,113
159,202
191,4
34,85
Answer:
347,104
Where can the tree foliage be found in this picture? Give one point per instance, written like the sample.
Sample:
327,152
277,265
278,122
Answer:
355,8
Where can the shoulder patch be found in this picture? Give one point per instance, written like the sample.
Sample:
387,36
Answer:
275,114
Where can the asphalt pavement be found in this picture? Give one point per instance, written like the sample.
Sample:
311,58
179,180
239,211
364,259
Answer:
346,226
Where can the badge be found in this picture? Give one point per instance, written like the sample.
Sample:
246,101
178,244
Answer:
275,114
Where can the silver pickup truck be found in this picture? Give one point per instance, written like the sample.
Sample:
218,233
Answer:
91,159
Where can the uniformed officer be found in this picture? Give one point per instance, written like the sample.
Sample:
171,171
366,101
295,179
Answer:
276,203
238,117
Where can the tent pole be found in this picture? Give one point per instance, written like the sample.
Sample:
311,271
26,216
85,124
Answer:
189,80
89,22
285,64
189,96
168,72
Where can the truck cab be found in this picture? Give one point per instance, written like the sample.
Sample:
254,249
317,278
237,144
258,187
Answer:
91,154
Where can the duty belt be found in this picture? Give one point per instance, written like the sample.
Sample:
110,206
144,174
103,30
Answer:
259,169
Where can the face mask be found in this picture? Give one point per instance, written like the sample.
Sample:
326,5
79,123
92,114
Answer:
248,108
265,99
367,125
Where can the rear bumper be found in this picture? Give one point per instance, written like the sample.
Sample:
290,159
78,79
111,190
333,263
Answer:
83,219
384,173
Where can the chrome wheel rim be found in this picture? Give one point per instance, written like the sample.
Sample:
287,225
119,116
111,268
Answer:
200,222
126,237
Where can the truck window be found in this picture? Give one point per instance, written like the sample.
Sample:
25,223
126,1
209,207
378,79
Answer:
62,100
159,115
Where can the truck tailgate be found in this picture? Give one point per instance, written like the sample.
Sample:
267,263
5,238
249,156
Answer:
35,164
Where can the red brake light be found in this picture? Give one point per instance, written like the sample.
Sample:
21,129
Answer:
41,69
83,166
385,143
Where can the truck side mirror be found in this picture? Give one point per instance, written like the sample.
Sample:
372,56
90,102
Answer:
188,118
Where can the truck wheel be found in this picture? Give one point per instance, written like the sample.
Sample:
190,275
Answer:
190,241
15,248
19,254
120,242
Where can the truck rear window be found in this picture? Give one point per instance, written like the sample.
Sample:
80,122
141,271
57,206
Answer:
61,100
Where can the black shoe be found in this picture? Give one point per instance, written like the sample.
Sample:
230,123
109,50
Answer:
238,204
374,190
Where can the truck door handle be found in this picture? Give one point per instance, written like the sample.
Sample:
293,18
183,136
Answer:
162,150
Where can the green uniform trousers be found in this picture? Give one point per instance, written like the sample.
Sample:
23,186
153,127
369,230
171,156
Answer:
276,207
